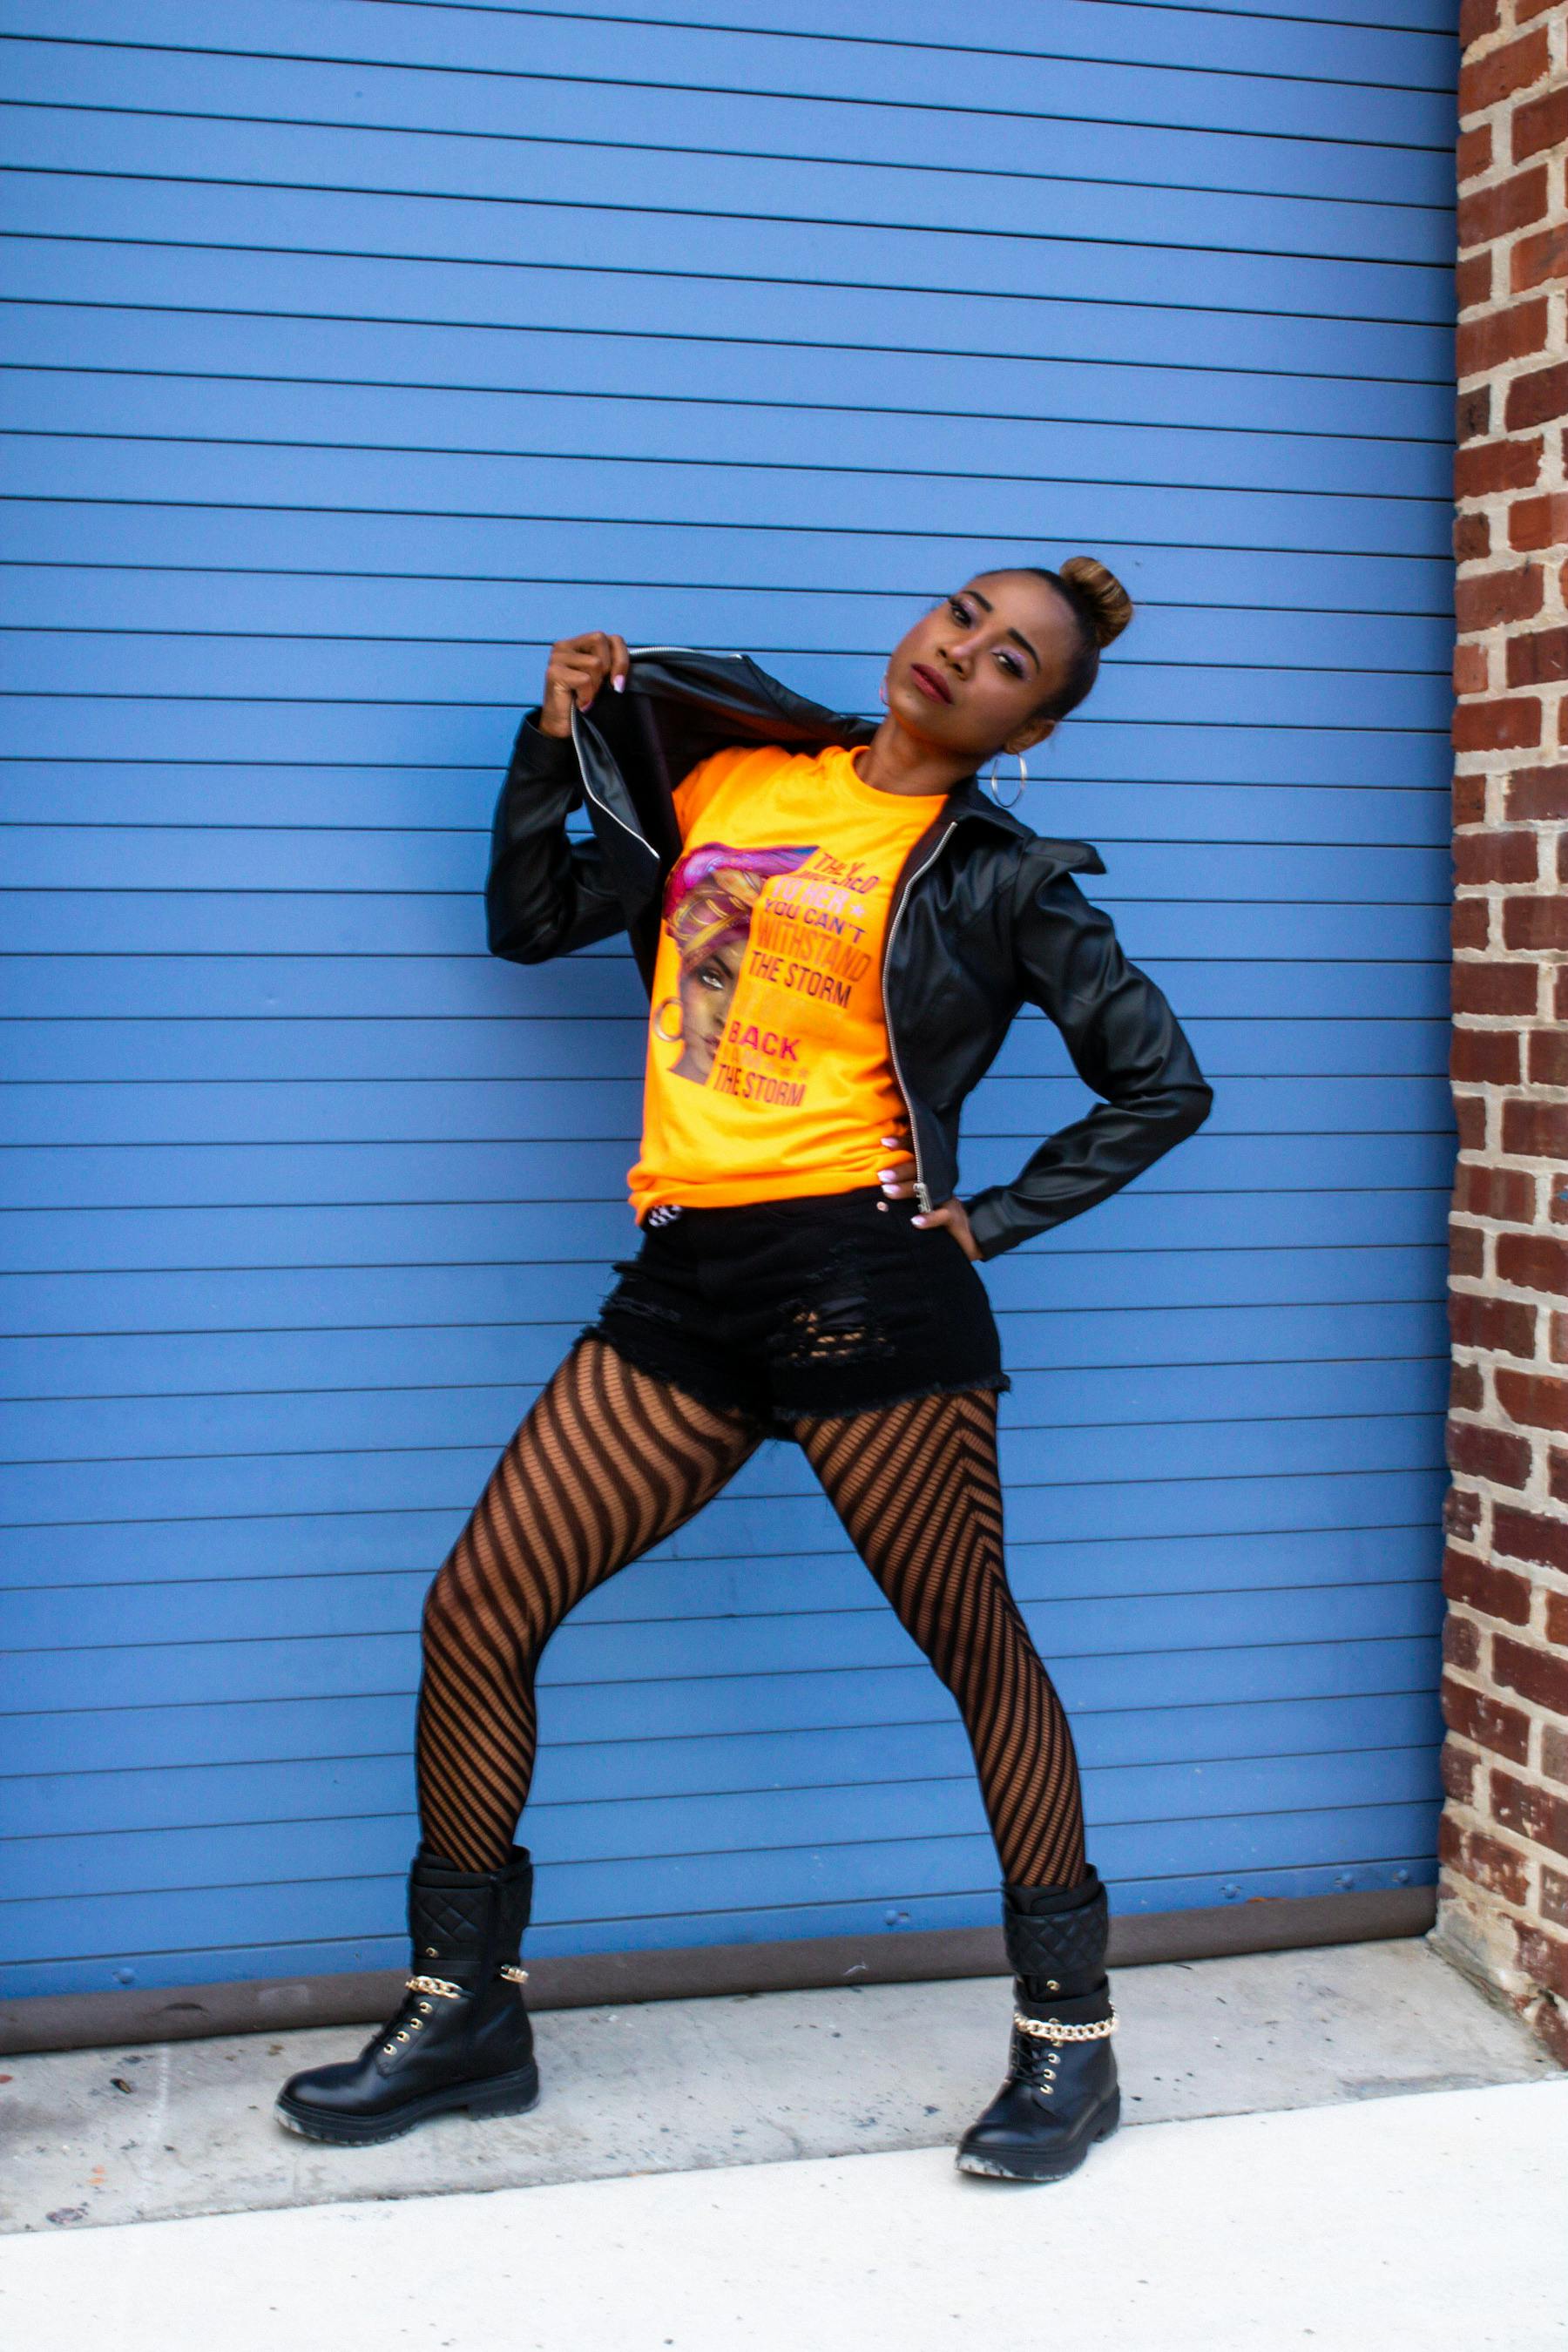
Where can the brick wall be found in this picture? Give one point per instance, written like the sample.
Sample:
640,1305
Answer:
1503,1891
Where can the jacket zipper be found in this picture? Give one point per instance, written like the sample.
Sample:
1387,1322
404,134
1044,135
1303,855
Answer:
923,1190
641,839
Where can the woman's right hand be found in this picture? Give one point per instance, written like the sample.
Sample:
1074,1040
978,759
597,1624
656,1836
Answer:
577,669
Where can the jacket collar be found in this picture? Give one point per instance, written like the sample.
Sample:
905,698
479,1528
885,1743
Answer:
733,687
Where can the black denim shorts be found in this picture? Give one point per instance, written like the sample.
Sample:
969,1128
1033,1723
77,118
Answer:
823,1304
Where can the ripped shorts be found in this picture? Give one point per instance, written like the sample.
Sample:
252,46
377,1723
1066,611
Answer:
825,1304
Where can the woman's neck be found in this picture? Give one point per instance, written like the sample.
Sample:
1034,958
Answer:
894,760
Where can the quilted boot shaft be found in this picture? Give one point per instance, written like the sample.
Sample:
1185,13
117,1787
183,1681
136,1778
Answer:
468,1924
1056,1936
461,2037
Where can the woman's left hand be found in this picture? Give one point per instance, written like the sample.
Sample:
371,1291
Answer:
898,1182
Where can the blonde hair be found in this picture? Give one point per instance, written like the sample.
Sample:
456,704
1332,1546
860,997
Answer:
1105,603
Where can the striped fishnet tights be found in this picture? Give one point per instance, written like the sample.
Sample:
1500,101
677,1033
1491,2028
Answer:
609,1461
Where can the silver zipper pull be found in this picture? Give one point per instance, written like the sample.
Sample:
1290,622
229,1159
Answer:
922,1194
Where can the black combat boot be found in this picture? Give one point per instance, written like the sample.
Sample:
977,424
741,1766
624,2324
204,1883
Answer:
1060,2094
461,2038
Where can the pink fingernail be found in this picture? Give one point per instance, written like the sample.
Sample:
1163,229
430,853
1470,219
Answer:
619,683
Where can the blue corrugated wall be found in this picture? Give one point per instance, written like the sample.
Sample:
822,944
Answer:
356,351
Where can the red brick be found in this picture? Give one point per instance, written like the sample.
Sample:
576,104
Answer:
1484,1721
1498,725
1500,209
1484,598
1467,1388
1473,280
1469,924
1472,669
1484,1860
1477,19
1473,154
1470,1119
1549,1057
1533,1398
1488,343
1536,921
1530,1535
1470,799
1538,793
1457,1769
1539,522
1472,538
1461,1643
1507,1194
1535,1813
1483,80
1557,1616
1553,1897
1484,1057
1536,1130
1557,1339
1473,414
1488,467
1461,1513
1495,857
1559,995
1542,1957
1536,260
1467,1250
1503,1327
1539,657
1490,1591
1548,2024
1534,1675
1533,1262
1537,398
1494,1454
1540,123
1554,1751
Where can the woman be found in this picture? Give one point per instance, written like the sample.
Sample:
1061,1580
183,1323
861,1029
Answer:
837,926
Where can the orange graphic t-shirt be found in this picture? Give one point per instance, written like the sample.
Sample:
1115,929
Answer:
769,1073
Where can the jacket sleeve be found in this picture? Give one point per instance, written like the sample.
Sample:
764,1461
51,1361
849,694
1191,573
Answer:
545,893
1125,1042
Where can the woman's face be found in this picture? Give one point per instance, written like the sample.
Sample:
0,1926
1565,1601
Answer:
707,993
971,676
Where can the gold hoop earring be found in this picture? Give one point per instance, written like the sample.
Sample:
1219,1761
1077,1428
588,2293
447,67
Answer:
668,1035
990,779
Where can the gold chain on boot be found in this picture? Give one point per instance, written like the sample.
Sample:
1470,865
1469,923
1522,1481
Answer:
1053,2029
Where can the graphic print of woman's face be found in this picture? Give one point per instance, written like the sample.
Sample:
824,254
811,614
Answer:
709,902
707,993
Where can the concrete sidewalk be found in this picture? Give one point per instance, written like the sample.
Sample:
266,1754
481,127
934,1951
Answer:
103,2137
1341,2228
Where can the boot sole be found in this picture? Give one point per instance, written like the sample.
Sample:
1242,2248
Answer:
1022,2167
503,2094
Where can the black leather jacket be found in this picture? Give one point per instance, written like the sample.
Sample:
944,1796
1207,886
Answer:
985,915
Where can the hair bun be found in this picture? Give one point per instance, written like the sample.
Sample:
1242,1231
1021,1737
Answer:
1105,601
